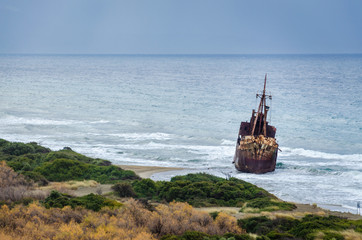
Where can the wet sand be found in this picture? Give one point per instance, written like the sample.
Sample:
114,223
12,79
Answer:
148,171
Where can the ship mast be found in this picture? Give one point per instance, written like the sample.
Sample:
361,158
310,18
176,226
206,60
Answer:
261,114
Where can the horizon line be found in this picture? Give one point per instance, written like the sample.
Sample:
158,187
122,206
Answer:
181,54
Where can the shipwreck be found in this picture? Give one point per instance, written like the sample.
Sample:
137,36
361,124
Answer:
256,147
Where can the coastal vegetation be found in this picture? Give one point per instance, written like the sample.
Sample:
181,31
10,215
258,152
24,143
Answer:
132,221
42,165
141,208
91,201
204,190
309,227
173,221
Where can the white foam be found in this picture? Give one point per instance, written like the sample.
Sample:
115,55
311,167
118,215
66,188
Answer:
99,121
143,136
11,120
286,152
216,151
227,142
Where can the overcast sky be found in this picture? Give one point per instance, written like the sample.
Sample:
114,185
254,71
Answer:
181,26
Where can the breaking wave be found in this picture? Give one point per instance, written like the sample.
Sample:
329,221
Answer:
286,152
12,120
143,136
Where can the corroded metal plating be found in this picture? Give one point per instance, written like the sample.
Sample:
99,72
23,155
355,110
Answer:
256,148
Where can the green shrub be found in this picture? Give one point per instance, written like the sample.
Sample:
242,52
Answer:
95,202
42,165
268,204
201,190
124,190
214,214
36,177
91,201
274,235
3,142
193,235
234,236
145,188
206,190
332,236
38,148
63,170
67,169
306,228
263,238
68,153
199,177
17,148
171,237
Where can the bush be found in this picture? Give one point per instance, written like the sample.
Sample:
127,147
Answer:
124,190
37,177
194,235
334,236
42,165
67,169
91,201
68,153
214,214
201,190
38,148
206,190
18,148
63,170
268,204
145,188
199,177
306,228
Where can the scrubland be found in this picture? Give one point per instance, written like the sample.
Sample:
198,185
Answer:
37,202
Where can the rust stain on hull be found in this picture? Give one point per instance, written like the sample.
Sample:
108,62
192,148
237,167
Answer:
256,148
256,155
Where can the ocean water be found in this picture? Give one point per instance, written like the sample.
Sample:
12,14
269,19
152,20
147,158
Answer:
185,111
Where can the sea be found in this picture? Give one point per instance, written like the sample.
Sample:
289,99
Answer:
185,111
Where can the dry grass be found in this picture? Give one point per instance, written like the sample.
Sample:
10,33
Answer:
351,235
251,210
276,214
70,186
228,210
319,236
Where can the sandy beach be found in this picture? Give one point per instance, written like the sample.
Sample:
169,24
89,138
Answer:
148,171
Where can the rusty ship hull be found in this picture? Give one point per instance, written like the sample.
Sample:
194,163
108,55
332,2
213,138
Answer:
256,147
256,155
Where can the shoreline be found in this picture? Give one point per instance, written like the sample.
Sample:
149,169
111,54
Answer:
148,171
